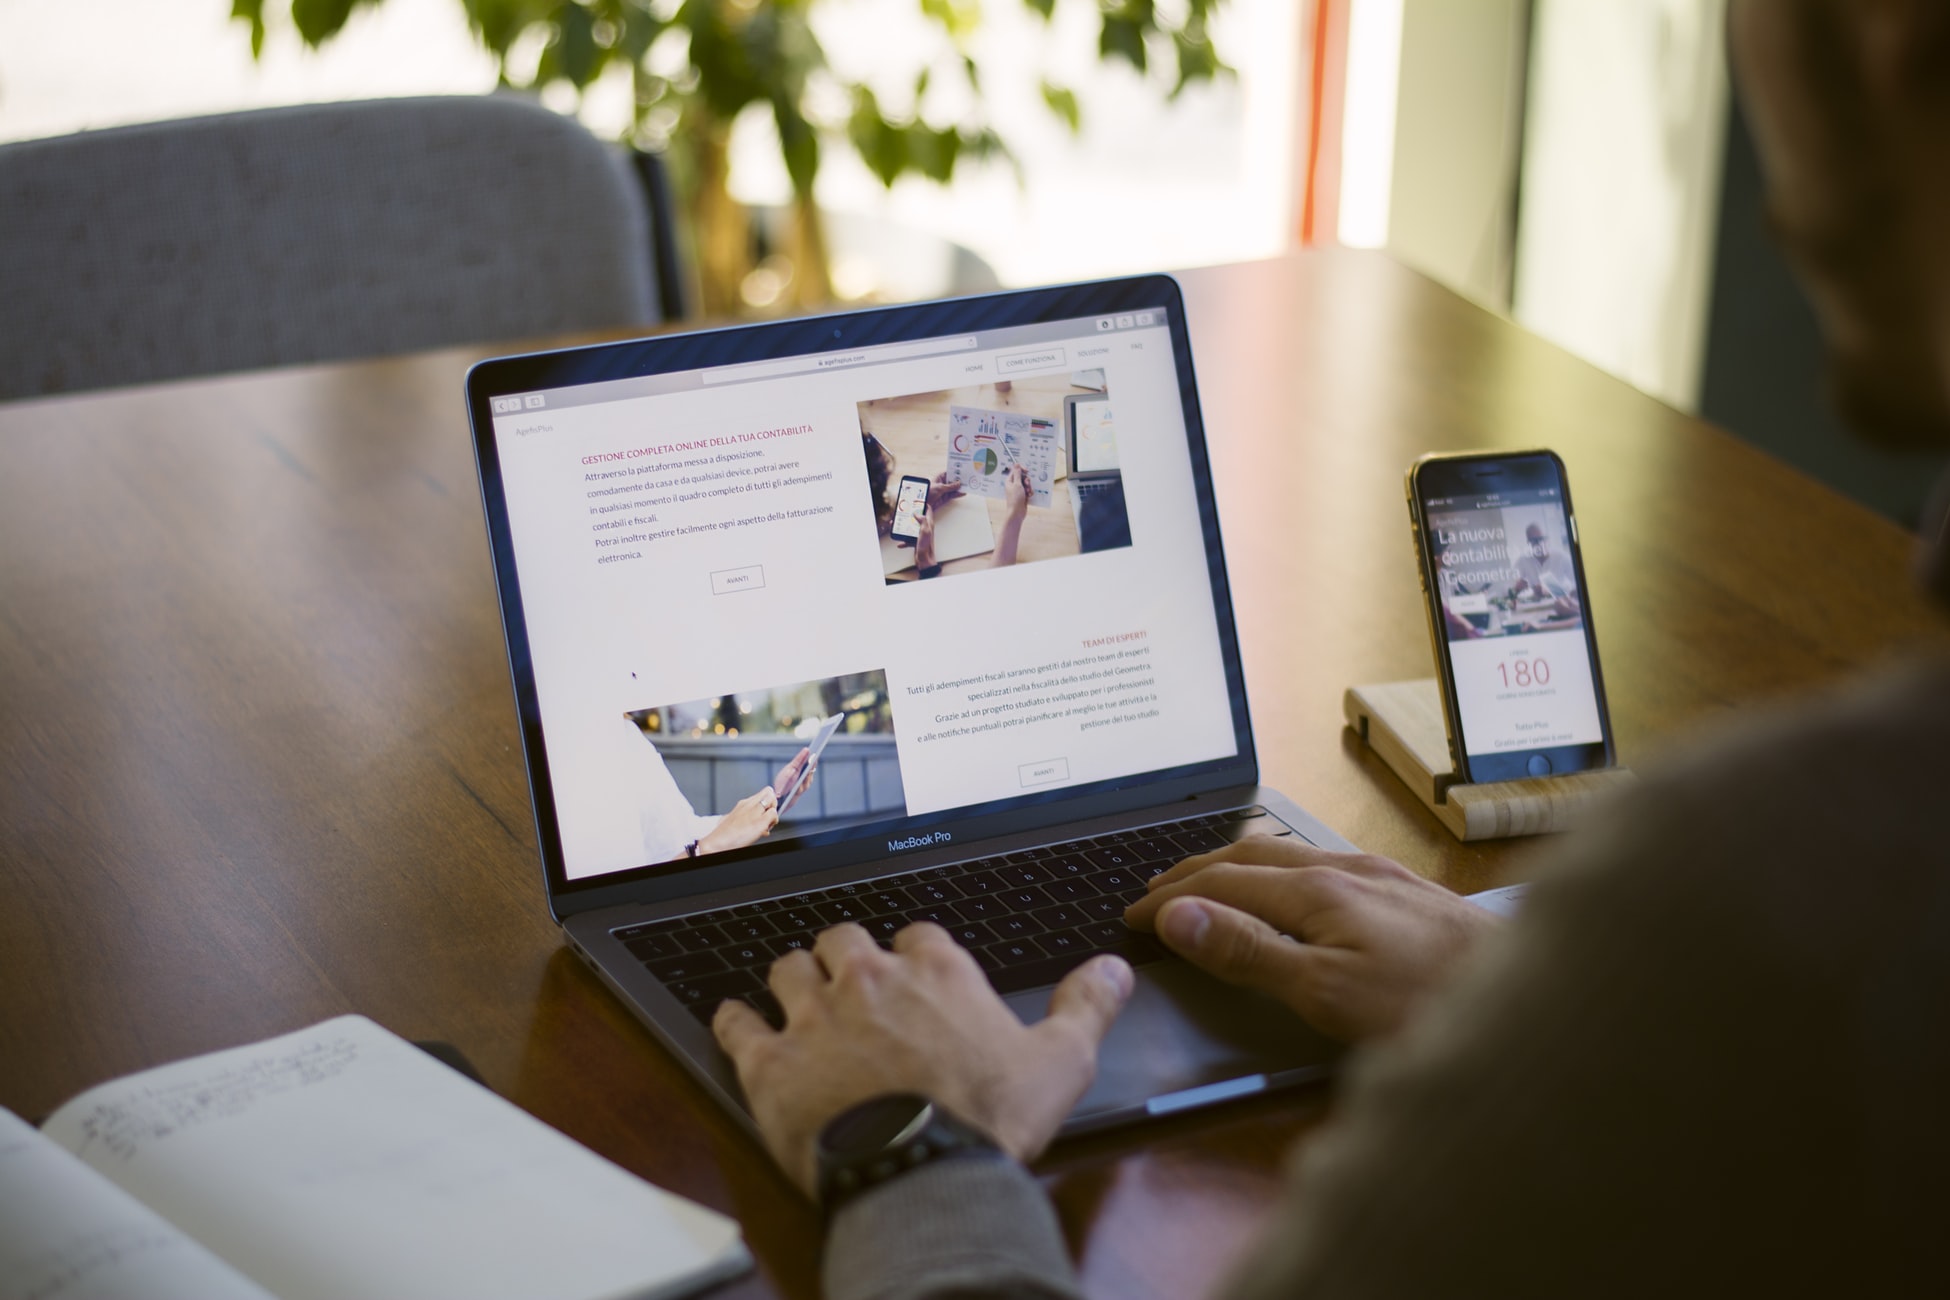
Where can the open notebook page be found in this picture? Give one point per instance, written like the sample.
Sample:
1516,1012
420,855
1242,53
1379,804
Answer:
66,1233
341,1160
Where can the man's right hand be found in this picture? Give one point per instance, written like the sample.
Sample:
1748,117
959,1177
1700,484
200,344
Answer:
1353,943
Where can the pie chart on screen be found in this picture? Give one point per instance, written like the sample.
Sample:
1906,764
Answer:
985,460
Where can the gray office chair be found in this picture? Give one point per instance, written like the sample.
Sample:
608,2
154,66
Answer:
315,233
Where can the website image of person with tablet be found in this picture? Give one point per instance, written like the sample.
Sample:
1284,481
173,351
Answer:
710,775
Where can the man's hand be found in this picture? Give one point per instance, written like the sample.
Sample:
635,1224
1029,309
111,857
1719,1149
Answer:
860,1022
1353,943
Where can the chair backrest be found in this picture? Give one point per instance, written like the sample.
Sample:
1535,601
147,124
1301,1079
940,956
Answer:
313,233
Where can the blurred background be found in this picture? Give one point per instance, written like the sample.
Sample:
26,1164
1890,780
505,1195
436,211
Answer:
1578,165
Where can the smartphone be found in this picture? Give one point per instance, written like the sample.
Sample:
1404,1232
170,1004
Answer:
1509,615
910,504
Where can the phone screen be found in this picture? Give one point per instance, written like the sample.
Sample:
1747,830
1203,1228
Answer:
1506,587
909,506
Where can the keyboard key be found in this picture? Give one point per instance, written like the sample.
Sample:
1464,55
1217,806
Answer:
1015,927
752,953
1105,934
930,892
748,928
887,903
1026,873
972,934
892,882
699,938
940,873
885,927
1120,883
1069,889
1251,826
1014,978
1071,864
1064,941
1103,907
652,947
1199,839
945,916
710,990
837,910
1015,952
711,918
648,927
980,909
1156,848
786,943
689,967
1118,855
1059,918
1022,900
987,961
981,882
798,918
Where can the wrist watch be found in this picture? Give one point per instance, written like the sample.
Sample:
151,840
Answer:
882,1138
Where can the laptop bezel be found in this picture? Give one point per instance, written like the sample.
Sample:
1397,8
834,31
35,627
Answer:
788,859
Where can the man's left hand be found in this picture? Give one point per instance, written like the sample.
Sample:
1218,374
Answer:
861,1022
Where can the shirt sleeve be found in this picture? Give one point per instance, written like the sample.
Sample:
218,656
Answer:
665,819
976,1228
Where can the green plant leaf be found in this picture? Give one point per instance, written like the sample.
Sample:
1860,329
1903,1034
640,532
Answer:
799,143
318,21
1047,8
959,18
1063,103
252,12
1122,38
577,55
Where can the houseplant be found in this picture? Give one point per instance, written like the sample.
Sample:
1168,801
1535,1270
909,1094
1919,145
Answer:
696,65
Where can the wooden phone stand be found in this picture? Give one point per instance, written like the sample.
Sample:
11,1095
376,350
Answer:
1402,722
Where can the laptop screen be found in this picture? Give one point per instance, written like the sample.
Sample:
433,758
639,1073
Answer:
731,654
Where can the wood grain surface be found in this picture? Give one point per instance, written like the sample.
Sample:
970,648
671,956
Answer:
259,765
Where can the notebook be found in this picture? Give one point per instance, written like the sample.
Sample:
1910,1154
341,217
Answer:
339,1160
688,530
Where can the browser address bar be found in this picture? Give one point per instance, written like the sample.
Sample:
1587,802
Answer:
834,360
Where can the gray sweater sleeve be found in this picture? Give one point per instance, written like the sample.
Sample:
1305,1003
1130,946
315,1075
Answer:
966,1229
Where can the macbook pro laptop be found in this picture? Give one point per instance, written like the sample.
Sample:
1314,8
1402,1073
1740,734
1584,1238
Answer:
686,538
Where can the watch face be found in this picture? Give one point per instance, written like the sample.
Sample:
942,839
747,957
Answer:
876,1124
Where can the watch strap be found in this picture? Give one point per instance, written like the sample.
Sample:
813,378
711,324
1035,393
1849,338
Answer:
844,1176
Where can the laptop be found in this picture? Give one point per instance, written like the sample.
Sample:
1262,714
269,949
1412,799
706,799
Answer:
1096,482
686,535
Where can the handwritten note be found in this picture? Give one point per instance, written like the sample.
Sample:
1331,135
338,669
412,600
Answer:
66,1233
123,1123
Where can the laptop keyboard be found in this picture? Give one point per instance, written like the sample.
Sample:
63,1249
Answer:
1028,917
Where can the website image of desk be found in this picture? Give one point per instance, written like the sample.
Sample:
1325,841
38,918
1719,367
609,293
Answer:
259,764
915,429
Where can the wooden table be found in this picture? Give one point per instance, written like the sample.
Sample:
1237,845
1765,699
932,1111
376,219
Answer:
260,766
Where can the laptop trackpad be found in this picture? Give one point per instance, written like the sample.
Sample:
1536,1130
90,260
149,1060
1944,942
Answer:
1184,1030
